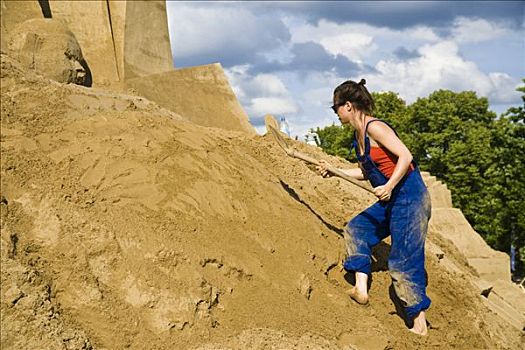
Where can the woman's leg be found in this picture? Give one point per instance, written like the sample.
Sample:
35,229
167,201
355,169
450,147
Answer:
408,226
362,233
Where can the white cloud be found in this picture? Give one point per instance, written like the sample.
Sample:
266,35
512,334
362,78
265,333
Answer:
273,105
420,33
268,85
335,38
504,88
319,96
261,94
197,29
221,31
261,85
350,45
236,75
476,30
359,41
440,66
314,96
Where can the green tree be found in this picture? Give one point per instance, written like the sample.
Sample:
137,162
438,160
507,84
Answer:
336,140
441,121
508,172
390,107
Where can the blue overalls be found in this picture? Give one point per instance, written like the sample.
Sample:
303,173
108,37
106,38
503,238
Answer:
405,217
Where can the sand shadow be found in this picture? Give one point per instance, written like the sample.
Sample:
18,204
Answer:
86,79
380,254
295,196
398,304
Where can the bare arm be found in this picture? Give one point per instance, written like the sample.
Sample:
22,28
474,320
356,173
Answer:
355,173
386,137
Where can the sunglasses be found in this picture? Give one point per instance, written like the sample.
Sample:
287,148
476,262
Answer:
336,106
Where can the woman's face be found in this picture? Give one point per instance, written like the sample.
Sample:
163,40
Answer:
343,111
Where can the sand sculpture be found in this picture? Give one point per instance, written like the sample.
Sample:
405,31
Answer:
51,49
126,46
130,222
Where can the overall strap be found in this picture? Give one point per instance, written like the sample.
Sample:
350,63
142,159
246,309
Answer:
354,143
355,146
367,140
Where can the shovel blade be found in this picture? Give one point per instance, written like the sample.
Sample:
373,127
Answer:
273,128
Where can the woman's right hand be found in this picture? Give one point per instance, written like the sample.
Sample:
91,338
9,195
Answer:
322,168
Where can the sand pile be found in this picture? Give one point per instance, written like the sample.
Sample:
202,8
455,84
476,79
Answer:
124,226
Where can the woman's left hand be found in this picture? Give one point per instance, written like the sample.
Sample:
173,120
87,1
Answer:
383,192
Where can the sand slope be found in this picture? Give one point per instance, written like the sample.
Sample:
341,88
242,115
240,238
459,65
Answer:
124,226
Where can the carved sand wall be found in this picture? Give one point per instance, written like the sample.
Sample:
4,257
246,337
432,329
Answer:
493,267
201,94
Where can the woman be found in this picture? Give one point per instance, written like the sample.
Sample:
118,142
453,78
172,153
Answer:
403,209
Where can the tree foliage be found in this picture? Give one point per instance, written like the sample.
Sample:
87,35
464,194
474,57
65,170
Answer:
336,140
458,139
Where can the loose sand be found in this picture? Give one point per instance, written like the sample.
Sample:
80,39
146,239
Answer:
124,226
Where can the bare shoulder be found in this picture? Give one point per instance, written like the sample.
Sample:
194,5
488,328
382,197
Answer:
379,130
386,137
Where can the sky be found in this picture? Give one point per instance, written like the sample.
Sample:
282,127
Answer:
285,58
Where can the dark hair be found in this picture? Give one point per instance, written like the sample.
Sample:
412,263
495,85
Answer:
357,94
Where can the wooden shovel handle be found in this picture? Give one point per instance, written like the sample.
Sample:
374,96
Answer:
272,126
331,169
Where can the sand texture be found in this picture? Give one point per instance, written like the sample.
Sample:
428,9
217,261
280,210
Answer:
123,225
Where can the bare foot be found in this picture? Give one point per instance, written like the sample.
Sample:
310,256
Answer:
359,297
420,324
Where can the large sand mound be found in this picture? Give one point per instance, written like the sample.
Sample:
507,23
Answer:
125,226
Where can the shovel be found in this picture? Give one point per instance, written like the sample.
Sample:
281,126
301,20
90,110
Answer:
273,128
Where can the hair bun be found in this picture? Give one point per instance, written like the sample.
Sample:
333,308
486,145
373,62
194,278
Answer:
362,82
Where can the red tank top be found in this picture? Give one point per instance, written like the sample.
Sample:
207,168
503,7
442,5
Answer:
385,160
